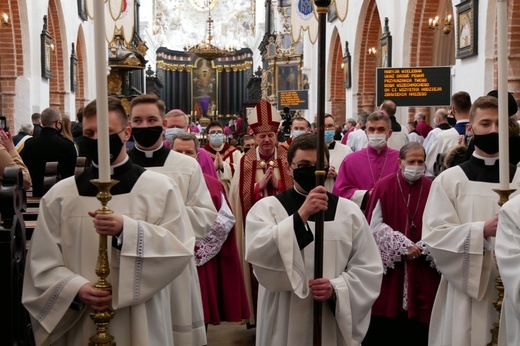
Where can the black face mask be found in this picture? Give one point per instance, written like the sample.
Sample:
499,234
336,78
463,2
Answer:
306,177
487,143
147,136
91,149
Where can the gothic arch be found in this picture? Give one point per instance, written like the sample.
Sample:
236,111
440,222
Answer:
57,81
337,90
81,54
371,29
12,61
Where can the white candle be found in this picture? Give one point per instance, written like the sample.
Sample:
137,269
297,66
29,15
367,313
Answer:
503,114
101,62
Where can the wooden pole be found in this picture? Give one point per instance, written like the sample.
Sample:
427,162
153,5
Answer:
322,7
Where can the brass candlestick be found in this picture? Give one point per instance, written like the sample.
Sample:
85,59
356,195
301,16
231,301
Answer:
101,319
503,198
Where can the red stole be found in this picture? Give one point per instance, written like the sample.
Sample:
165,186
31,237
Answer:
227,151
248,166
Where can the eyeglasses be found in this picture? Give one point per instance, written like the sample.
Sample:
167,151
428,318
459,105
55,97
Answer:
216,132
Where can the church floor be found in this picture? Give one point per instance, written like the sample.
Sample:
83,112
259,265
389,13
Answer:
230,334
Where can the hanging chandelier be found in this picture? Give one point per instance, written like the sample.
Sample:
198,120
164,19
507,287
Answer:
207,49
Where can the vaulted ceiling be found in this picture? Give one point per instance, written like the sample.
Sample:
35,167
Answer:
181,22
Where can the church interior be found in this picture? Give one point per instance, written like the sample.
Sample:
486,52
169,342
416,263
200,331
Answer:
216,59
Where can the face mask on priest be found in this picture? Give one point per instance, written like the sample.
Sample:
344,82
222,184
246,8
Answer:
378,130
411,161
377,141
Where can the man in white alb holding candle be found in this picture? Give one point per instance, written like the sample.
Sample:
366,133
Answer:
150,245
459,227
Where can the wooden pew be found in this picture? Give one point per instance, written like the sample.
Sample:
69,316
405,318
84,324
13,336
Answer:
51,176
81,165
15,327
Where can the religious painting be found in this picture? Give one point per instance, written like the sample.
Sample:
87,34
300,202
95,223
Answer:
286,41
385,46
204,83
269,78
467,29
305,82
346,65
271,50
82,10
73,70
332,14
287,77
46,48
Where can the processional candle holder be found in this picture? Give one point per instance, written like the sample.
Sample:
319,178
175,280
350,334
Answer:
102,319
497,303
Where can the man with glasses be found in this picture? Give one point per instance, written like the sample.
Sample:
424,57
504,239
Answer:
337,152
260,173
280,247
225,157
49,146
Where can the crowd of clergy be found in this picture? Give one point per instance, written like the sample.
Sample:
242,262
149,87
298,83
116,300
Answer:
204,234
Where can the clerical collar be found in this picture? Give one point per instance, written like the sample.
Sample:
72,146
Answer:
300,193
114,167
149,153
266,157
488,161
378,152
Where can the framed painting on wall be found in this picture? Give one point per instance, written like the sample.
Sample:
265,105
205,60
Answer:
82,10
332,14
287,77
346,65
467,29
385,45
46,49
73,70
